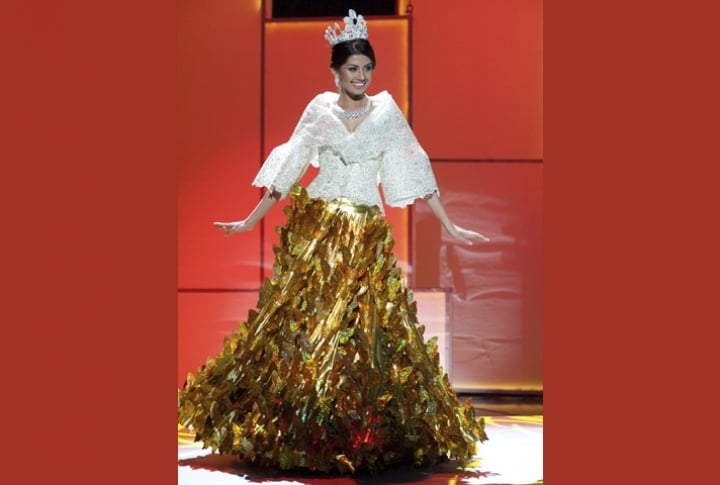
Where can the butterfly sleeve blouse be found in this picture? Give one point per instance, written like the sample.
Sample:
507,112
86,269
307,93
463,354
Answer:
381,151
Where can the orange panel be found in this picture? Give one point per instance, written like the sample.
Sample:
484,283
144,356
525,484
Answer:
219,148
477,78
496,311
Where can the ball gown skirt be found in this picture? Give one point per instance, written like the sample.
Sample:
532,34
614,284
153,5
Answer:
331,371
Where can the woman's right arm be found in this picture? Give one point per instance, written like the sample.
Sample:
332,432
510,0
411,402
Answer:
268,201
284,167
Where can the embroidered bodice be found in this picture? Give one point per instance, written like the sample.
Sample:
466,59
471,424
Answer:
381,151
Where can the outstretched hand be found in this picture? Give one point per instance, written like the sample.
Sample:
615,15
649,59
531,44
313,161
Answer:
230,228
467,236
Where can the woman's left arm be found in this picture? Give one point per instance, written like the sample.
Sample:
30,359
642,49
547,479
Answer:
461,234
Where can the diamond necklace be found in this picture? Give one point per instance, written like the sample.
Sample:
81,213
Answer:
352,115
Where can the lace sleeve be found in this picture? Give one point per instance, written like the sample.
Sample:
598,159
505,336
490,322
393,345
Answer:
287,163
405,173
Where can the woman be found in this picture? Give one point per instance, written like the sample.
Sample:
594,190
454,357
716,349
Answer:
331,371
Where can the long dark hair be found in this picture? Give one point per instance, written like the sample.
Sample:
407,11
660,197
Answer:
343,50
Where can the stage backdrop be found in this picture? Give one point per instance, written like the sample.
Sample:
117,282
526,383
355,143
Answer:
469,76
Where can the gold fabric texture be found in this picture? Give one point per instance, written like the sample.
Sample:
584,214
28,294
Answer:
331,371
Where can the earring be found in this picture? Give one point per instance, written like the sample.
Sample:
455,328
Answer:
337,81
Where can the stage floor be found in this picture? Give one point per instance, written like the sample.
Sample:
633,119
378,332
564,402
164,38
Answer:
513,455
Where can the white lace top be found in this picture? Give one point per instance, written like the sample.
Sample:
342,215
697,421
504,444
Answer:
382,150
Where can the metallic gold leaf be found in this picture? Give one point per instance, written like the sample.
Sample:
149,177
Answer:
330,371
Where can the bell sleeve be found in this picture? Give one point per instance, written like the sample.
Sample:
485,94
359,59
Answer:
286,163
405,171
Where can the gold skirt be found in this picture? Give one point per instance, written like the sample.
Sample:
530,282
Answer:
331,371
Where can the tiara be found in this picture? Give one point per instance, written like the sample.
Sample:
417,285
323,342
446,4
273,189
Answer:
355,28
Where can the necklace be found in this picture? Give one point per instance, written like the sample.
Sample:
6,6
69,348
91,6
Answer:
352,115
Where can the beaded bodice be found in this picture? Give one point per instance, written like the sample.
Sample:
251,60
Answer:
381,150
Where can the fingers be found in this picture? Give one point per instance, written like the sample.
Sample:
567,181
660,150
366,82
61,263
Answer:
228,228
477,235
472,237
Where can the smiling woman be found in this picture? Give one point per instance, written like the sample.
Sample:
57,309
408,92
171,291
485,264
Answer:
352,64
331,371
391,37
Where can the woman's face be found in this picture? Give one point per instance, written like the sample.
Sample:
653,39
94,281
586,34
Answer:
355,75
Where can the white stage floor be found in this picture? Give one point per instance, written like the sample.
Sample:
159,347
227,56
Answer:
513,455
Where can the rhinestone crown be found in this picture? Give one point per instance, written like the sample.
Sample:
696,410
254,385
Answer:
355,28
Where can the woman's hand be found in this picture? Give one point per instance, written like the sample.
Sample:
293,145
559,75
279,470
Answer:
466,235
463,235
230,228
267,202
